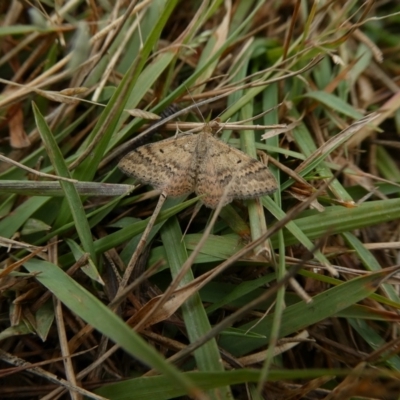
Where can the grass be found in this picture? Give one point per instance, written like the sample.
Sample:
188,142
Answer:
292,295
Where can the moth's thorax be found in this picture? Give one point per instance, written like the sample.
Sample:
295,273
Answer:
202,145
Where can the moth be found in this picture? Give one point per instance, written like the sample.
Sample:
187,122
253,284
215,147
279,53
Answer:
202,164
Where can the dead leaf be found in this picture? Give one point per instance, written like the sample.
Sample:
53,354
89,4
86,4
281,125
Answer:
18,137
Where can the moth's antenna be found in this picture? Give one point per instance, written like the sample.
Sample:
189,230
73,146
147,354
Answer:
220,127
195,104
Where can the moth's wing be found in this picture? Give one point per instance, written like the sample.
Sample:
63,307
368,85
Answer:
168,165
226,167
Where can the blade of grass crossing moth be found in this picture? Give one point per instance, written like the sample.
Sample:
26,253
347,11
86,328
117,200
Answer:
71,194
95,313
196,320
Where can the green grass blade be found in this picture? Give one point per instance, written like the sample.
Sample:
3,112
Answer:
301,315
196,320
95,313
71,194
